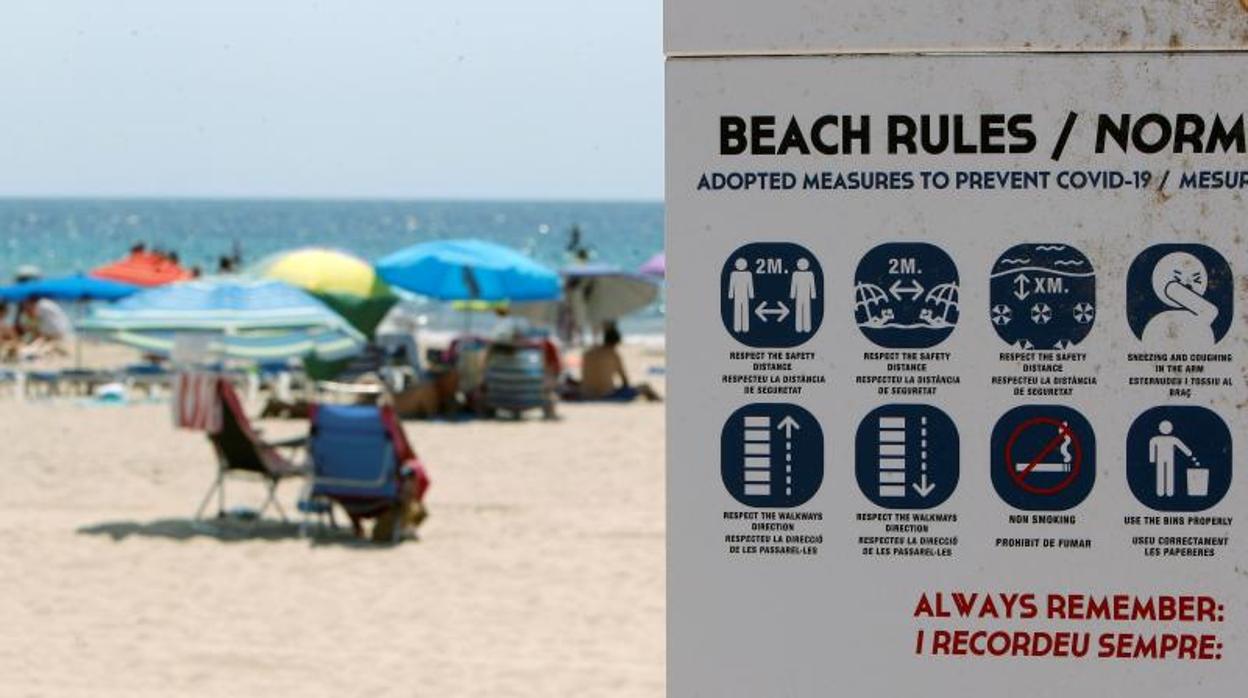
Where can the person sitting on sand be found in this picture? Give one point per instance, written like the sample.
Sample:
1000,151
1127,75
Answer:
600,366
50,325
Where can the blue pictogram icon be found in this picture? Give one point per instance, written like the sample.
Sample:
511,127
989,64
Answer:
906,456
1043,458
771,294
1043,296
1179,458
771,455
906,295
1180,296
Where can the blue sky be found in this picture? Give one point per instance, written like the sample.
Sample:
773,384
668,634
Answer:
345,98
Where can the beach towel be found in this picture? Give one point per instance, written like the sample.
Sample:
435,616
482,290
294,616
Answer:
196,402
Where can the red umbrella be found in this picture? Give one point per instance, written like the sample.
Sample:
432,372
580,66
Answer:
143,269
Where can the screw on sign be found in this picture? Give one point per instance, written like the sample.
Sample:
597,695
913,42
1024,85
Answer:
1043,458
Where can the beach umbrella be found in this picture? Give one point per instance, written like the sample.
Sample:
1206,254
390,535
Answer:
143,269
607,293
247,319
655,266
76,288
68,288
343,281
468,270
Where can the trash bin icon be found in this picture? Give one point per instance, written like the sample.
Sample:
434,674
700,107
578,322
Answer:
1198,482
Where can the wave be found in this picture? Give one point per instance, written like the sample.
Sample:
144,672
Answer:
1045,270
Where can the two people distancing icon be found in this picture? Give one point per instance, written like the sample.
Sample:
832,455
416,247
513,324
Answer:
802,291
771,294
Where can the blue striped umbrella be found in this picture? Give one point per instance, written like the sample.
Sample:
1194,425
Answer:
246,319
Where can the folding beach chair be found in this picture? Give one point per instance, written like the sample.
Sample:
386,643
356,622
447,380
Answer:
362,461
240,450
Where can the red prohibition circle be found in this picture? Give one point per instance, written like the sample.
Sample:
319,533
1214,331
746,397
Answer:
1020,478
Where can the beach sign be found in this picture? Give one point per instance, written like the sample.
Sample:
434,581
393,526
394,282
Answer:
957,350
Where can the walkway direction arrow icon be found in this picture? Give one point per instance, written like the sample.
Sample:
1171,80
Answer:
787,425
923,487
906,456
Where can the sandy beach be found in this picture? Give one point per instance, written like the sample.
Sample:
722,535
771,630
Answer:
539,573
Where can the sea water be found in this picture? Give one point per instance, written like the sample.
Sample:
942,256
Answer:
62,236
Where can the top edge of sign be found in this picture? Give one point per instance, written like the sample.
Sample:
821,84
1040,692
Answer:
795,27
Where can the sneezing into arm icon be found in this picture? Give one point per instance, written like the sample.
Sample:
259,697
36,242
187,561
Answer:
741,292
802,290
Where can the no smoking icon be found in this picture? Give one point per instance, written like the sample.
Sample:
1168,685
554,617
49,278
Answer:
1043,458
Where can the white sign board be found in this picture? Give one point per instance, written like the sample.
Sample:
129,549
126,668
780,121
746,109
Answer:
786,27
957,375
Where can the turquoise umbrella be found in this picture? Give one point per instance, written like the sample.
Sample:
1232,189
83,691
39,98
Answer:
68,288
257,320
456,270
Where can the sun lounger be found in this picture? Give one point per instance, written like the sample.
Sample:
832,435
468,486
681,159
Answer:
45,384
361,460
83,381
150,378
240,451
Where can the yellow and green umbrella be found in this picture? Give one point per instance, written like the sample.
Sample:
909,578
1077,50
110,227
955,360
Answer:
341,280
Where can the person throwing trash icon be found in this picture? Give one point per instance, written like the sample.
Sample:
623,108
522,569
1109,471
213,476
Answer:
741,292
1180,281
1161,450
802,291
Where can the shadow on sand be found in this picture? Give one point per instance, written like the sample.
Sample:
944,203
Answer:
228,530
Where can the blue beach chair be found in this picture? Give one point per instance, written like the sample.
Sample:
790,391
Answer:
361,461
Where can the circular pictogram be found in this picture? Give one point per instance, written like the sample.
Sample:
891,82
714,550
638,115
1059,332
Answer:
1064,440
1043,458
